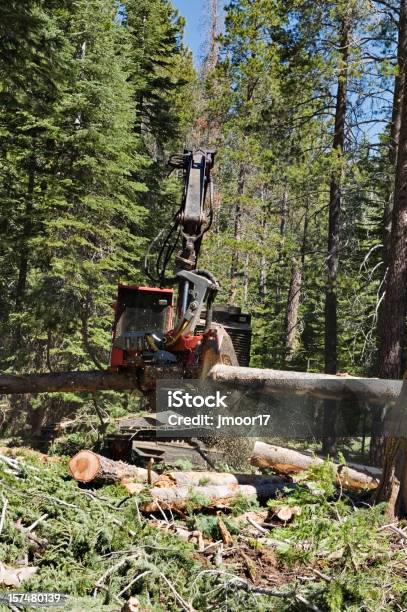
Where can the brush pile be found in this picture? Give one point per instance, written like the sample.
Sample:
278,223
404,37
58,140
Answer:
128,539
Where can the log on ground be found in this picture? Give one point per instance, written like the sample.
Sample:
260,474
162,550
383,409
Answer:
87,466
196,478
209,496
287,461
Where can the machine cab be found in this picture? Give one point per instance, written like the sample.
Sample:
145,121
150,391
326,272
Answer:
143,315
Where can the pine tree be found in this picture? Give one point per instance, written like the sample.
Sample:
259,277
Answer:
162,76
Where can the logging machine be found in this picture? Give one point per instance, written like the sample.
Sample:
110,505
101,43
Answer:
181,330
173,327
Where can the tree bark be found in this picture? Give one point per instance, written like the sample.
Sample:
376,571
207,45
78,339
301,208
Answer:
393,483
87,466
263,260
246,280
286,461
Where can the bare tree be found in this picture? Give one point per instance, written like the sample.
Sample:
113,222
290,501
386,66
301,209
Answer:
212,55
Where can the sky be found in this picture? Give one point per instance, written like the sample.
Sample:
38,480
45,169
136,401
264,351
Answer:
196,24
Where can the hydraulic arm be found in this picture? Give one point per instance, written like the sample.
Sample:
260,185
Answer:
149,327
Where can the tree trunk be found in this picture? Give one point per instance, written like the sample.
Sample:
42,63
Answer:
212,57
294,295
393,483
392,311
27,231
87,466
246,281
334,236
286,461
391,336
263,278
237,235
283,223
293,306
398,95
334,229
377,443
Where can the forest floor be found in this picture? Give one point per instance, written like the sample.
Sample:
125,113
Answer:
94,545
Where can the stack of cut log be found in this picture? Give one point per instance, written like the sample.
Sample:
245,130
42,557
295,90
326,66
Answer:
175,489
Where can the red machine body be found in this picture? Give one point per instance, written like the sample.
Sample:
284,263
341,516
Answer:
143,313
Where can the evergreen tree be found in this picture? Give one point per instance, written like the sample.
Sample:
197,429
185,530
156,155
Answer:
75,169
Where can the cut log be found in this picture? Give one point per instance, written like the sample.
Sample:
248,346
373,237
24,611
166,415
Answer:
93,380
265,381
287,461
322,386
210,496
66,382
286,513
195,478
87,466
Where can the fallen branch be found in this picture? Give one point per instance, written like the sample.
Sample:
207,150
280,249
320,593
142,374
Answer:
33,525
257,526
3,512
133,581
112,570
185,605
240,583
36,544
224,532
13,464
402,534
